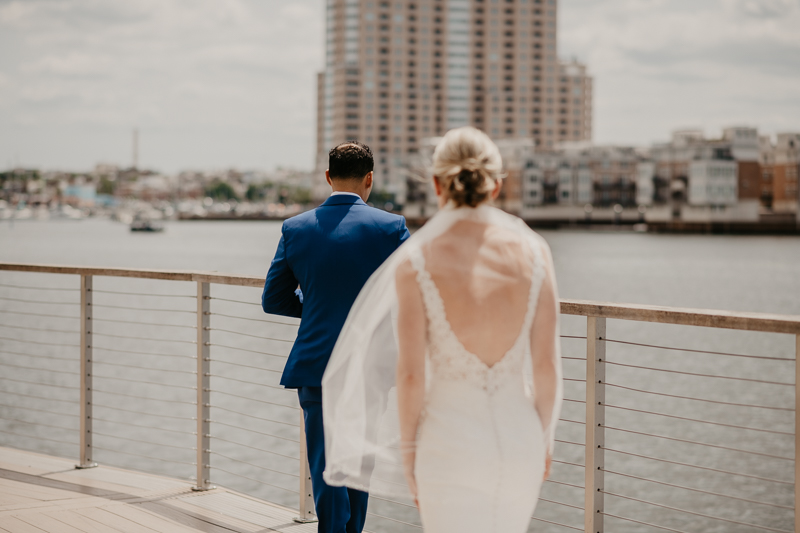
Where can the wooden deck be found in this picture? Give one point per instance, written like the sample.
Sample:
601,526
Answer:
42,493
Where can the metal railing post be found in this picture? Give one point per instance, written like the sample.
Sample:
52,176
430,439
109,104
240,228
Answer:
85,460
307,509
595,420
203,387
796,433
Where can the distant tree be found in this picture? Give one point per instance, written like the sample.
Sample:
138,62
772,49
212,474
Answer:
106,186
299,196
221,191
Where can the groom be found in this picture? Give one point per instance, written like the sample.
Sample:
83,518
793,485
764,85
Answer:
324,258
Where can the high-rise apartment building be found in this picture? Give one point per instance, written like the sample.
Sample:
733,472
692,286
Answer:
403,70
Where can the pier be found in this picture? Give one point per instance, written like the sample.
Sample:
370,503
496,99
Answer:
162,387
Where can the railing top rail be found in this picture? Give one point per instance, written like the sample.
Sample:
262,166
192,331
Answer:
711,318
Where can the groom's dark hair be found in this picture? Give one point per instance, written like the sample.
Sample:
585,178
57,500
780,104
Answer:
350,160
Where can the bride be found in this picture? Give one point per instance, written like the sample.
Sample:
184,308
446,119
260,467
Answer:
445,384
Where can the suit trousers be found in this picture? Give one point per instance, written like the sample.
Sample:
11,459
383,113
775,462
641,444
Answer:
339,509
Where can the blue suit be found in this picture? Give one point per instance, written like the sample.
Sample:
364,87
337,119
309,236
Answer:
329,253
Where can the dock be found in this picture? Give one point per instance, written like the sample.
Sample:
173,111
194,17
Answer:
41,493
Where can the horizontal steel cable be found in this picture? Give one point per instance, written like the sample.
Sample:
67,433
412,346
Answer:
39,383
248,382
141,338
642,523
566,484
38,424
573,421
675,439
560,503
248,335
571,400
695,374
556,523
246,350
271,452
95,404
394,520
68,345
142,397
144,353
36,301
143,456
702,515
74,359
38,288
246,366
573,358
701,491
701,351
37,410
254,479
59,400
254,319
60,441
410,506
568,463
293,407
97,419
129,308
145,294
69,372
142,323
49,330
234,301
570,442
252,416
36,314
721,402
150,443
146,382
109,363
252,464
750,476
264,433
574,379
573,337
704,421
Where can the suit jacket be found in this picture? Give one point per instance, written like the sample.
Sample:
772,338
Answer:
330,253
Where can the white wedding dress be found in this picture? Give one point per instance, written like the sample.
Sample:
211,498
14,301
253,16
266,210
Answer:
481,447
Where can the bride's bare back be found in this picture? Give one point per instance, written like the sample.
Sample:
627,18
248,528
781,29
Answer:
483,274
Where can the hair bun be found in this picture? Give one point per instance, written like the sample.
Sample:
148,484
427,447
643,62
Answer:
468,165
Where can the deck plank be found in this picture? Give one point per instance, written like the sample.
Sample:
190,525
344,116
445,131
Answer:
118,523
47,523
141,515
79,521
15,525
39,495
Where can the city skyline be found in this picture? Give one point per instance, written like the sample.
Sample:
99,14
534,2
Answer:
206,89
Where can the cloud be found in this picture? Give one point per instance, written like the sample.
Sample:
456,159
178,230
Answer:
658,63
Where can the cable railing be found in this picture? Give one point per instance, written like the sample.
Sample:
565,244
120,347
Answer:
178,373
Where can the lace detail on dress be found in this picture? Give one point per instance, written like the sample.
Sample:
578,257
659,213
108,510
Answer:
449,358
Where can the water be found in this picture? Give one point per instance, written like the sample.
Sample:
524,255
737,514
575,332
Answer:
717,272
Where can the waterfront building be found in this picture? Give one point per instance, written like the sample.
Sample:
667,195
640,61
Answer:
576,175
398,72
780,166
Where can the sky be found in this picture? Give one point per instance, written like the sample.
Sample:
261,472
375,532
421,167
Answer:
216,84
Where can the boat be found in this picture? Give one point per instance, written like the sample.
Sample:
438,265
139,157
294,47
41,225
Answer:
146,226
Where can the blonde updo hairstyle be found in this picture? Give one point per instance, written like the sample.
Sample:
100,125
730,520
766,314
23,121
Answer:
468,166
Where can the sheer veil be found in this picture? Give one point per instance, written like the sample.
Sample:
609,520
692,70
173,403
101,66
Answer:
362,436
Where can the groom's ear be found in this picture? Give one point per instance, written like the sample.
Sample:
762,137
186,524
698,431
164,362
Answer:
328,177
368,179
